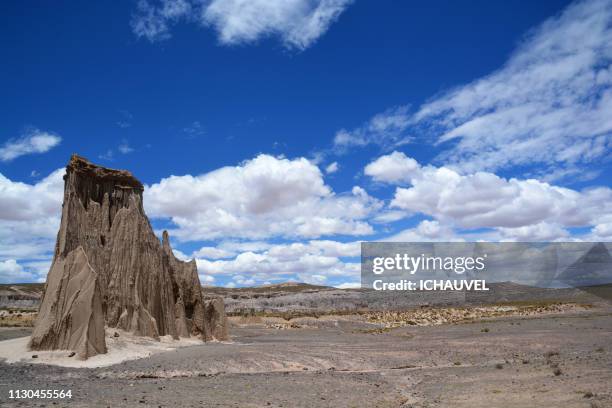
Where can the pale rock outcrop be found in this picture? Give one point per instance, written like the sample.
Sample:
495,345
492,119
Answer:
108,257
72,318
217,321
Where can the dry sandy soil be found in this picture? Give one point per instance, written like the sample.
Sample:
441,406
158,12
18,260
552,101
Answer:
562,359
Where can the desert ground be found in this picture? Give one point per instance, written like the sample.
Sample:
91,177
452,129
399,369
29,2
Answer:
521,354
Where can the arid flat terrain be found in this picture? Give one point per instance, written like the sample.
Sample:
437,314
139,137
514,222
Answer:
560,359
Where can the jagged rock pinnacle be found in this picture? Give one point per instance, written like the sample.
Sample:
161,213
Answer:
109,269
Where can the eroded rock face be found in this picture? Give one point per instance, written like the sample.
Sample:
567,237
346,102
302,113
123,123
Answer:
217,321
73,318
134,282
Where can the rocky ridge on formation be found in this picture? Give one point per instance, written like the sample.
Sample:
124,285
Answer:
110,270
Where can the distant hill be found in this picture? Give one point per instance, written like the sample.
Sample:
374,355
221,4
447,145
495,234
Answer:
286,287
591,269
295,296
21,295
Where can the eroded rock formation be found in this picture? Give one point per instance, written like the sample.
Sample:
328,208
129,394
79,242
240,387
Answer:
110,269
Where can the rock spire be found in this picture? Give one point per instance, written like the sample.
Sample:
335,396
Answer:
109,269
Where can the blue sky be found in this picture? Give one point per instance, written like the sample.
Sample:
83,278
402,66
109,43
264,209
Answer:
295,129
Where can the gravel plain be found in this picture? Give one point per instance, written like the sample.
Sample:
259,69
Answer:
561,360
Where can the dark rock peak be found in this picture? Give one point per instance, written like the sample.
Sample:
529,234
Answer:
120,178
92,183
594,267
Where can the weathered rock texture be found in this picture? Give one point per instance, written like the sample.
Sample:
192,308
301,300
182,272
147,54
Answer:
110,269
215,315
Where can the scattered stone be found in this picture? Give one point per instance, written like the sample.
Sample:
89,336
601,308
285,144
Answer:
34,355
71,354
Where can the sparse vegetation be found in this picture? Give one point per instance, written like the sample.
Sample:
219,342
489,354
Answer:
293,314
426,316
17,318
551,353
377,330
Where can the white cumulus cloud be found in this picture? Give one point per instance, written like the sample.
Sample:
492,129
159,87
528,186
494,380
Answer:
426,231
29,218
549,104
332,168
34,141
153,21
516,208
545,111
386,129
263,197
297,23
315,261
12,272
213,253
392,168
542,231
